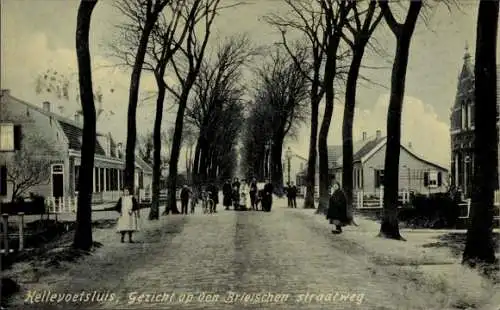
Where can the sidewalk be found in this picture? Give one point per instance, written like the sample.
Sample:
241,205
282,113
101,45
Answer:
429,265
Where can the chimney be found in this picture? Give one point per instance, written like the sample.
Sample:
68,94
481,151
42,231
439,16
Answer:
364,135
119,150
46,106
78,117
379,134
409,145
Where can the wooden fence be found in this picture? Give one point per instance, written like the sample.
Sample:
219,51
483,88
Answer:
7,235
363,201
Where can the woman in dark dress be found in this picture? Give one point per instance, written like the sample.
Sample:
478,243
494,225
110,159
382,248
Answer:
267,199
337,209
227,192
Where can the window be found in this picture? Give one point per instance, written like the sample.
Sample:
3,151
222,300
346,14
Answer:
10,137
77,178
379,178
101,179
3,181
141,180
97,180
108,179
433,179
464,117
469,114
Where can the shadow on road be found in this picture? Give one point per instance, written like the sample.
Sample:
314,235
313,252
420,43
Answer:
455,241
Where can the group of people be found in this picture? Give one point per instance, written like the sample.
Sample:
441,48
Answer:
235,192
209,192
128,207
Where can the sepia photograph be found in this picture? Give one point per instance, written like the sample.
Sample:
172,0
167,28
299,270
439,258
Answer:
249,154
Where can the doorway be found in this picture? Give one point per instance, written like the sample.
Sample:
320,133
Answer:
57,181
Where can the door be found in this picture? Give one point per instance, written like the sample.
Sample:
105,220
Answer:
57,185
57,181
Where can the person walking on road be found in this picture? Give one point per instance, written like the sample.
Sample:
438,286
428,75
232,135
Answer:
267,199
288,191
128,222
293,195
337,209
185,193
214,195
253,194
227,194
236,183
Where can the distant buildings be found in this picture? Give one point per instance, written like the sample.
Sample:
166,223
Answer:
415,173
462,128
20,122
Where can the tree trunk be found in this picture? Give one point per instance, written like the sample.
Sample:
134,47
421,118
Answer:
83,232
277,165
347,141
196,164
176,149
135,80
311,161
324,171
390,226
480,247
154,212
324,176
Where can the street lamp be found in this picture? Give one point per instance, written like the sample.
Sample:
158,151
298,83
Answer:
288,156
266,160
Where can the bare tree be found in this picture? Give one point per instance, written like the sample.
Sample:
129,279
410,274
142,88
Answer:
335,14
143,15
192,51
282,86
30,165
357,37
145,147
403,33
479,247
306,18
217,87
165,44
83,232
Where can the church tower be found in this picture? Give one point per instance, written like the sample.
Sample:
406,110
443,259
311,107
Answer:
462,129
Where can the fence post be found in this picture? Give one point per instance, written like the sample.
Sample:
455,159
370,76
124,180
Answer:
5,224
362,202
21,230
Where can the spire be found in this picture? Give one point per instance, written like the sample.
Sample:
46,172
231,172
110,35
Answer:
467,54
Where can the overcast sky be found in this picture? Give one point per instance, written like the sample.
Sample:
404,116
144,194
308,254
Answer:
39,34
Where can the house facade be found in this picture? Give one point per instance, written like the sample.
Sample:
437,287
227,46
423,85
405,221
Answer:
25,126
462,129
415,173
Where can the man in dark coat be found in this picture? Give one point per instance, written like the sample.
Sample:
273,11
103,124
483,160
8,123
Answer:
214,195
293,195
237,184
253,194
337,209
185,193
267,199
227,193
288,190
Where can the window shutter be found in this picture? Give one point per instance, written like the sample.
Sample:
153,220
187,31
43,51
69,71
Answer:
426,178
439,180
17,137
3,181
